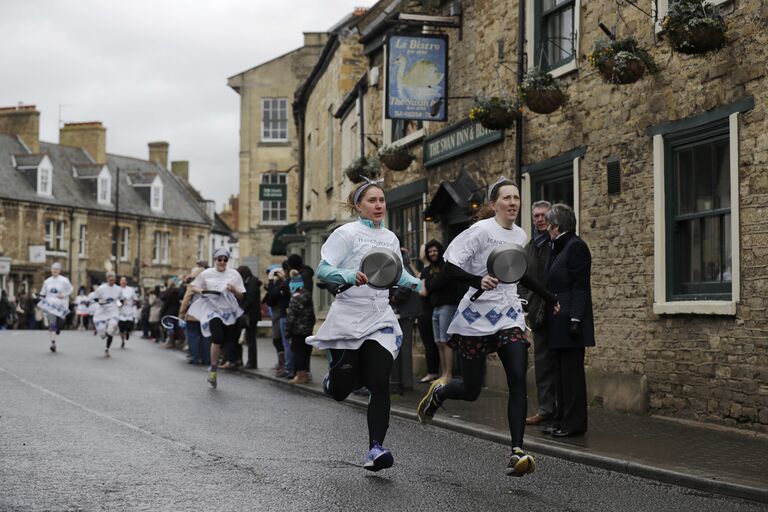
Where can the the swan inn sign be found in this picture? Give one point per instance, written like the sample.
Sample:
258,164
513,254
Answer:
417,67
456,140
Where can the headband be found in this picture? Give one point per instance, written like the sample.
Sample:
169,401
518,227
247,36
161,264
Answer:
498,181
361,189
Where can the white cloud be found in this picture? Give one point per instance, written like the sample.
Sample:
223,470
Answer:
151,69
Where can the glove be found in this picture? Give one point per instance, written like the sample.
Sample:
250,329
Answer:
575,329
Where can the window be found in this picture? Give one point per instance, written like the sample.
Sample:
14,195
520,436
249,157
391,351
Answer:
696,214
50,234
698,208
122,235
274,211
165,247
103,190
200,248
329,184
61,226
156,202
555,37
82,241
156,247
44,181
405,221
274,119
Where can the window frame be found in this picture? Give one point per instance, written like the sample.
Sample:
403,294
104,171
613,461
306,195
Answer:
274,207
156,247
551,168
61,230
201,248
533,28
271,131
82,243
49,238
156,196
44,181
664,302
165,247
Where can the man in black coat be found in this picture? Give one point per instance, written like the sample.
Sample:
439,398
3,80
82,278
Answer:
538,250
572,329
252,311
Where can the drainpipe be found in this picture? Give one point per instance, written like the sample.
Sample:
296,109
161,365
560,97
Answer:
299,115
520,73
71,241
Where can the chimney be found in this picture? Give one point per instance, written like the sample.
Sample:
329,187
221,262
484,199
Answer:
315,38
158,153
23,121
180,168
91,136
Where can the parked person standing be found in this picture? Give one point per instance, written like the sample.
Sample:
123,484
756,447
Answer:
299,323
108,314
252,309
568,276
218,308
424,324
445,293
127,315
360,331
54,301
494,322
198,345
538,250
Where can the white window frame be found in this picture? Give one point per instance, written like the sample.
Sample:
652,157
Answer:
200,247
530,35
660,8
50,235
166,247
269,206
124,248
661,306
44,181
61,229
83,241
156,247
267,133
104,187
156,195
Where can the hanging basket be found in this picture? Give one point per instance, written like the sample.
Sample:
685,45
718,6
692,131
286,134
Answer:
495,118
630,72
396,161
698,39
544,101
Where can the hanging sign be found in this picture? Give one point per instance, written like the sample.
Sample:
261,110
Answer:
272,192
417,77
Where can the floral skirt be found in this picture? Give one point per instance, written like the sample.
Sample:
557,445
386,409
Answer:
473,347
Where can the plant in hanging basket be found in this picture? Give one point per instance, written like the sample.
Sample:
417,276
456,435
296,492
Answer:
396,158
541,92
621,61
496,113
367,166
694,26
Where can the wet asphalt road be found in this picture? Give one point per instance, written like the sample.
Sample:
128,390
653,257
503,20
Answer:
143,431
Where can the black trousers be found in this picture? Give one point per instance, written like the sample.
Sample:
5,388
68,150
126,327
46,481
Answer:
250,338
368,366
570,389
427,335
301,352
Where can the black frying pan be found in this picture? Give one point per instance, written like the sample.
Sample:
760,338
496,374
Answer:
383,268
507,263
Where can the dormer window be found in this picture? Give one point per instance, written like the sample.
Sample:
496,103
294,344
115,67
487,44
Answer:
104,187
45,178
156,195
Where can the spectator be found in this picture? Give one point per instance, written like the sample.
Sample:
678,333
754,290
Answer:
295,262
6,311
155,306
199,346
81,309
299,323
252,315
424,324
277,300
569,332
537,250
171,304
406,304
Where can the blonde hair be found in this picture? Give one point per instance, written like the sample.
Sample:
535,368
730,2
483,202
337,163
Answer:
350,204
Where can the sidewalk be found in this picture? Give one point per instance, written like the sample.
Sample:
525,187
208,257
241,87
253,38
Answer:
708,458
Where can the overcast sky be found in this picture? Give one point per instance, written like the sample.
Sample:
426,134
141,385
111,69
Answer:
151,69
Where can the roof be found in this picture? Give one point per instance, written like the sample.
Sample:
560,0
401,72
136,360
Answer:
23,160
459,193
141,177
87,170
70,191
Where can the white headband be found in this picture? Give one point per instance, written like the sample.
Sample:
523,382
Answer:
361,189
491,187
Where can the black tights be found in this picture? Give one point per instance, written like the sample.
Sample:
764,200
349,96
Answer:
514,357
109,341
368,366
301,352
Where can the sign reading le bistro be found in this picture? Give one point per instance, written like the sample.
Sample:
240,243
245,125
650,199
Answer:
457,139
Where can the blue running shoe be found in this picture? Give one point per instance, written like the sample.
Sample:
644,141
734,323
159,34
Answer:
378,458
327,384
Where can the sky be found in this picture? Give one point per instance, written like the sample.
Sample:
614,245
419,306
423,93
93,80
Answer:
151,70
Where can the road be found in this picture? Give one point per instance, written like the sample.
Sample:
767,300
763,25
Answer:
143,431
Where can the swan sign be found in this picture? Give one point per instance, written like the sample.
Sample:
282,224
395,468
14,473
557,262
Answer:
417,71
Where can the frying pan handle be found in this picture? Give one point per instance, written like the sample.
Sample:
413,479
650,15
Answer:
343,288
477,294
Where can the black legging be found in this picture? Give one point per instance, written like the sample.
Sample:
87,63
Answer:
301,352
368,366
427,335
514,357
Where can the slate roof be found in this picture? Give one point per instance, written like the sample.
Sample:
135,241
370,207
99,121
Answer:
33,160
70,191
86,171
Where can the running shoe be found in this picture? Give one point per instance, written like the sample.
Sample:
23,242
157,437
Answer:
212,377
520,463
122,345
53,347
378,458
327,384
106,353
429,404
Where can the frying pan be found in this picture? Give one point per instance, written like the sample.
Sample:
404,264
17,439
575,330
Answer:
507,263
383,268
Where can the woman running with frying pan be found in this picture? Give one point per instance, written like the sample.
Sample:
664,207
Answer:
489,318
361,332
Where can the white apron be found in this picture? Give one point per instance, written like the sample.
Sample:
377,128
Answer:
207,307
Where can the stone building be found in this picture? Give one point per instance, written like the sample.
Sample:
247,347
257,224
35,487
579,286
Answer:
269,184
91,210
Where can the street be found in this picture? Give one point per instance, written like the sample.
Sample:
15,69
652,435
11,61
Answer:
143,431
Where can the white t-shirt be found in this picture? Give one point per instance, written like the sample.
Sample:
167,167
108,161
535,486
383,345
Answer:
108,298
128,297
212,279
55,292
495,309
361,312
224,306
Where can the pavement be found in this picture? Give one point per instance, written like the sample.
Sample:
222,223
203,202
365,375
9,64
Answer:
710,458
